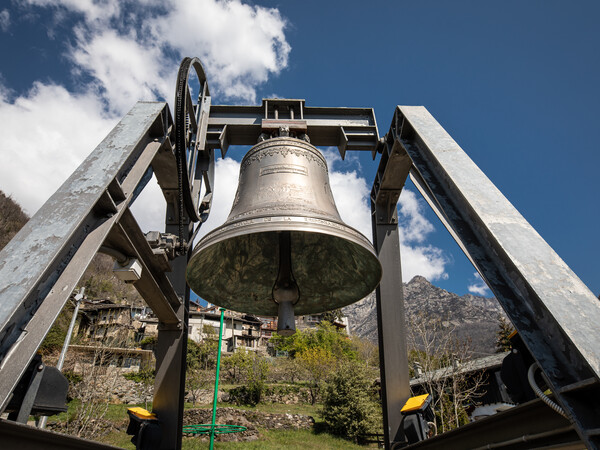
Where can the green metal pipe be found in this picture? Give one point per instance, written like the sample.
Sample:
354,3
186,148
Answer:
214,411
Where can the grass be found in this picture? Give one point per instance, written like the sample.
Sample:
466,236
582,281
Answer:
290,440
268,440
114,412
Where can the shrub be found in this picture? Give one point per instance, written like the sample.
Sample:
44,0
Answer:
72,377
349,406
143,376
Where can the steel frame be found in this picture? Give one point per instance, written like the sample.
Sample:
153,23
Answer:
555,313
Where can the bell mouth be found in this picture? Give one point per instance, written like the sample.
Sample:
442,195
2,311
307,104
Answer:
236,265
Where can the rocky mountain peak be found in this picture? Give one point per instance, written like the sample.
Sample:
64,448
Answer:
471,317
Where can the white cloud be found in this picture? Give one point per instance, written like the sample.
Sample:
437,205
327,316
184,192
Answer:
227,173
241,45
418,259
414,227
4,20
479,287
92,10
121,52
130,51
124,70
427,261
149,208
135,55
47,133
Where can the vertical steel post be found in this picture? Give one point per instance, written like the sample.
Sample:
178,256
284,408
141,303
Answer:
216,395
393,358
171,349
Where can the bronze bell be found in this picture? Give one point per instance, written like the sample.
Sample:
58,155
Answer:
283,247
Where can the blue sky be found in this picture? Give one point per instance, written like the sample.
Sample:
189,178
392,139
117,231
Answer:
515,83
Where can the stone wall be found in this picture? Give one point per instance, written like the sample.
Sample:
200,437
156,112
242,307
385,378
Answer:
252,420
113,387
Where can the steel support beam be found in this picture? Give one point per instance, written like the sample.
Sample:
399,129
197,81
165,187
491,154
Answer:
171,349
556,315
346,128
527,426
41,265
395,388
24,437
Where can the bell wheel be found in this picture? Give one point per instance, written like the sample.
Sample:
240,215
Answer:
195,163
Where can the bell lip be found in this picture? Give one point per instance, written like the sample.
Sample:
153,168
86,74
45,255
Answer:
283,223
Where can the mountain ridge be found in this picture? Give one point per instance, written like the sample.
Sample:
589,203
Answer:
472,318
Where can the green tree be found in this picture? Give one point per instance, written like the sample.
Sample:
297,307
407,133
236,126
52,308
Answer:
201,360
325,336
316,364
366,351
441,359
505,329
335,315
203,354
252,370
349,406
236,365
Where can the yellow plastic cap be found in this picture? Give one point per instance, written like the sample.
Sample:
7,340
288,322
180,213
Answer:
141,413
414,403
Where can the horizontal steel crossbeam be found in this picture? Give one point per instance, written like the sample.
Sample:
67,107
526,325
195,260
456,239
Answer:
347,128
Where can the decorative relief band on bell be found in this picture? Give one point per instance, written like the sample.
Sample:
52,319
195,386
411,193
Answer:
283,147
283,168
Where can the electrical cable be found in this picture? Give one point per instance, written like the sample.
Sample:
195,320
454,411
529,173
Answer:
539,393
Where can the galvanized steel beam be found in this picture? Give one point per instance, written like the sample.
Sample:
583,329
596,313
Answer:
530,425
40,266
392,172
555,313
171,348
23,437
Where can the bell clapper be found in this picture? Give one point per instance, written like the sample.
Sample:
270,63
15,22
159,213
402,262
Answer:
285,290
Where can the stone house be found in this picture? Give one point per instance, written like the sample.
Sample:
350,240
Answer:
311,321
239,330
119,359
104,321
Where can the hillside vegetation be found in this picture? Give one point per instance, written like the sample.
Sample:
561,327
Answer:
12,219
